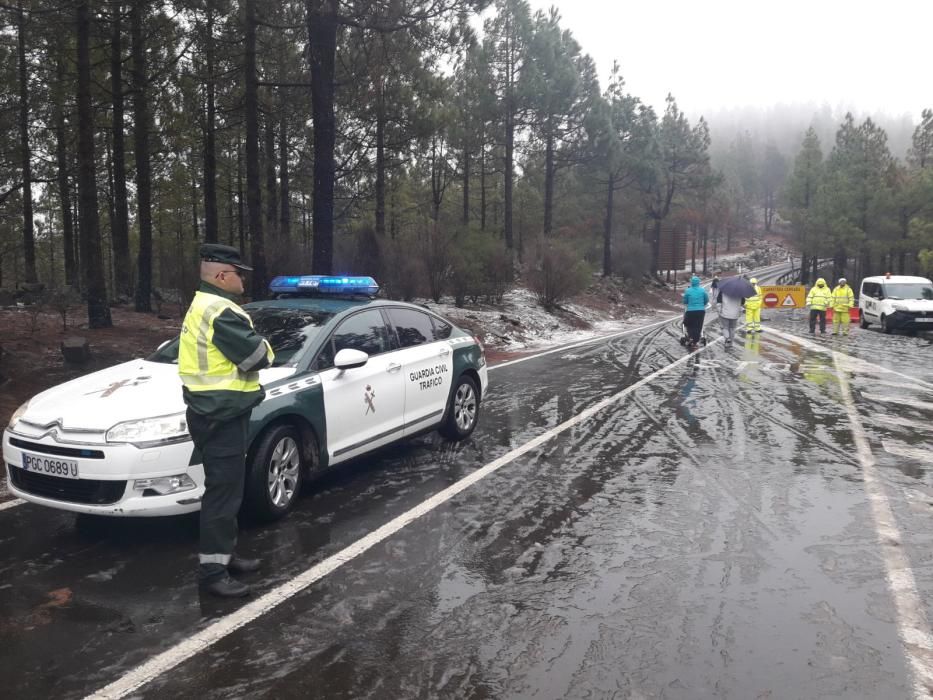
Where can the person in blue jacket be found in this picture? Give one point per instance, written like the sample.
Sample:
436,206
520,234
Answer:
695,302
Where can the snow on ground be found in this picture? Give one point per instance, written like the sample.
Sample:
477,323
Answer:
521,323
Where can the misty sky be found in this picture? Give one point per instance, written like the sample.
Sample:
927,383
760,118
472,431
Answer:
721,54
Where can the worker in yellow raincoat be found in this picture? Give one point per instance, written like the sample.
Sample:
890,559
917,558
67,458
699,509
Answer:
818,300
843,300
753,309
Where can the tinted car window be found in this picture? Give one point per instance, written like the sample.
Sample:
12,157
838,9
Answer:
288,330
365,331
907,290
442,329
413,327
870,289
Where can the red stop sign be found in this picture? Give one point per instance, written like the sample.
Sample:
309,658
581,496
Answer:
771,299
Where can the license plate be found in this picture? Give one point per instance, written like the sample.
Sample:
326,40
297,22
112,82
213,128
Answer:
50,466
924,320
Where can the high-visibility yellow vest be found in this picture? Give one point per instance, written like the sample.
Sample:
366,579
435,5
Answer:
819,298
201,365
754,302
843,298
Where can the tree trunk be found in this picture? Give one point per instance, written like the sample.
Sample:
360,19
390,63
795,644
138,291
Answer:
240,220
607,229
253,191
549,183
29,239
482,187
120,225
285,222
322,53
272,197
509,175
98,310
64,190
655,246
804,270
210,148
705,249
380,160
466,187
141,141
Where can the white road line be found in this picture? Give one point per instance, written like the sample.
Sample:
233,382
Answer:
581,343
907,451
853,362
172,657
12,503
911,620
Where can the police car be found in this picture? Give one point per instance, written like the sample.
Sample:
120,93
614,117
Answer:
896,302
352,373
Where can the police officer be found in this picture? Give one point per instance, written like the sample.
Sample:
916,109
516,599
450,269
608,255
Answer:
219,357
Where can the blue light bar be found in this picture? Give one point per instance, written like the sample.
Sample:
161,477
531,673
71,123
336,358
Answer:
324,284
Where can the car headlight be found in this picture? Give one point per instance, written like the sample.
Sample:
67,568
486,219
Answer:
17,414
164,485
898,307
150,432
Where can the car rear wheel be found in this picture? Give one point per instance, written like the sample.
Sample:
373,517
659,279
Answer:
274,475
462,409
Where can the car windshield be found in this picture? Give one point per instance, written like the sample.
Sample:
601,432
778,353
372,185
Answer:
908,291
289,331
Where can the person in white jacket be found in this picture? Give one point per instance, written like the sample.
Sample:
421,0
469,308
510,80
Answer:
730,309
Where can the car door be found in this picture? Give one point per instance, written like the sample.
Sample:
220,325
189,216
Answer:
427,363
364,406
868,299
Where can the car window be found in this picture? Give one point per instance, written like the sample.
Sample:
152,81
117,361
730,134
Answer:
365,331
869,289
289,330
413,327
442,329
908,290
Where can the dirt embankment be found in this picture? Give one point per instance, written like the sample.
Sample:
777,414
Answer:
31,359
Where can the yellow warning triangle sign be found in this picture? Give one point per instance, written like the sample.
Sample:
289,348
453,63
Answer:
788,301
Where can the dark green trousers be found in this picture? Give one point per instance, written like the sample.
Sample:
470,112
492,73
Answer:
223,452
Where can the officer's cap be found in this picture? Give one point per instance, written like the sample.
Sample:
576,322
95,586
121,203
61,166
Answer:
842,280
216,252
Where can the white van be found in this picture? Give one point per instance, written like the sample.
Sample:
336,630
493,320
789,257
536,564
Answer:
896,302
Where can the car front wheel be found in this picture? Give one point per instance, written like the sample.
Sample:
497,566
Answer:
886,326
274,475
462,409
861,320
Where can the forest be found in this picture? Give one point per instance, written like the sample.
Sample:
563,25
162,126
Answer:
447,147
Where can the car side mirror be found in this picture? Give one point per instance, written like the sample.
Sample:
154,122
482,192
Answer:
350,359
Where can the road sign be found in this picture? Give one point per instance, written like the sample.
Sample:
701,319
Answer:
784,296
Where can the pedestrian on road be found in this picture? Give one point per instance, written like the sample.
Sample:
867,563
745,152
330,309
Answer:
843,300
714,287
753,309
695,302
818,299
219,358
729,308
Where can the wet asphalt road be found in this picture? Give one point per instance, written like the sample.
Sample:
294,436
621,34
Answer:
709,534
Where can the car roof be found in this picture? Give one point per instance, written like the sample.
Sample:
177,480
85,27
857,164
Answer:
901,279
331,305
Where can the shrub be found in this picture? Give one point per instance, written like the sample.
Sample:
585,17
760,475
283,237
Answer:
632,258
559,274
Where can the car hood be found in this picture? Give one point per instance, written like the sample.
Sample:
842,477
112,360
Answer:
129,391
913,304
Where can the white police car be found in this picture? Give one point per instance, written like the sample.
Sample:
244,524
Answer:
351,374
896,302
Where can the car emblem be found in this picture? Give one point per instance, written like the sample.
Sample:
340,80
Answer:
368,397
109,390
